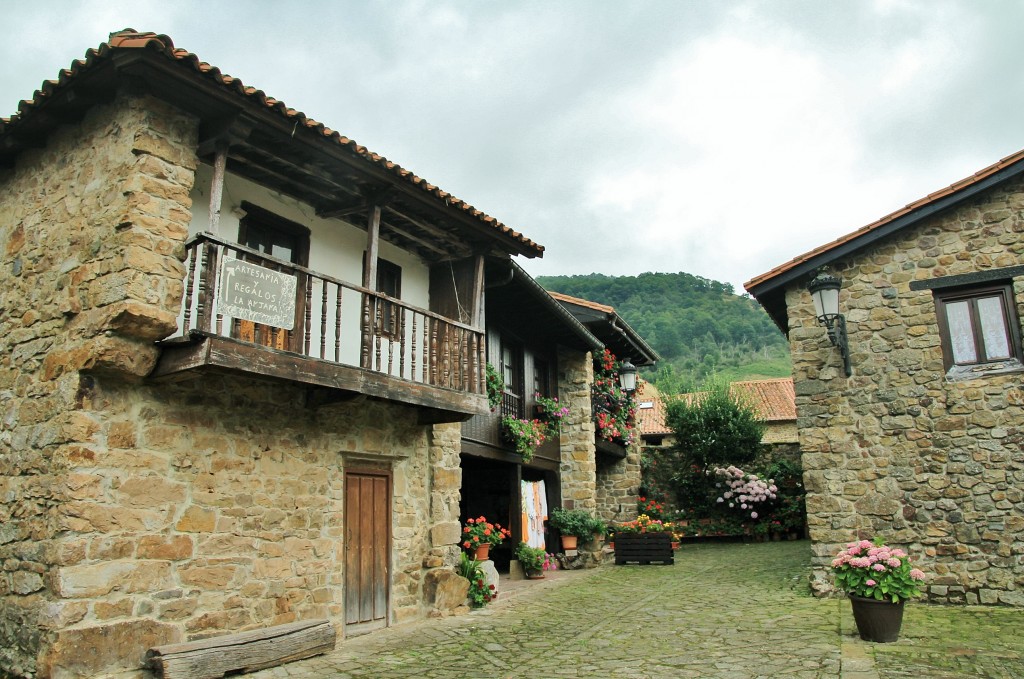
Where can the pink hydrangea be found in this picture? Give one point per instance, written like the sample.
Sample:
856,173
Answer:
878,567
916,574
870,583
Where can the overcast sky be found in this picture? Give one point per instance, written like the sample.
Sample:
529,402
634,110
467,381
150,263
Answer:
716,138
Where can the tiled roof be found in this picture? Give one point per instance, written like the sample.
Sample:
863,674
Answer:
888,219
129,39
651,420
603,308
773,400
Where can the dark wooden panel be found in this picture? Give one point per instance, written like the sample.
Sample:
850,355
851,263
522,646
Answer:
644,548
367,581
381,507
353,540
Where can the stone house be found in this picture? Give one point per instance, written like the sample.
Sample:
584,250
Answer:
236,353
617,466
919,442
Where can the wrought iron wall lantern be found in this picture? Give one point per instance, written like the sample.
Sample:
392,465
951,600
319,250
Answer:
627,376
824,291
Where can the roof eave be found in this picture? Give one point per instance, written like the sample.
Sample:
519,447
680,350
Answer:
771,287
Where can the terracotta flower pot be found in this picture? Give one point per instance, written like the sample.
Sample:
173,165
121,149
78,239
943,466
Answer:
569,542
877,621
483,553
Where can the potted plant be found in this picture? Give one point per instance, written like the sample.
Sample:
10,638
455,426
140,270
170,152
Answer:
644,541
479,535
495,386
525,435
532,559
480,593
573,524
878,580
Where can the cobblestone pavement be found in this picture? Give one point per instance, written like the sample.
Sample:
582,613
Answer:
728,611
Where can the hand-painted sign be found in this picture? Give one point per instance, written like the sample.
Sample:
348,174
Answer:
255,293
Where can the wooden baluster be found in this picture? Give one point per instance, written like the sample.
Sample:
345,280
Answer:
473,367
401,342
201,303
433,351
323,318
308,284
377,320
425,350
412,351
464,353
210,263
191,277
219,319
389,323
446,364
364,349
337,324
481,362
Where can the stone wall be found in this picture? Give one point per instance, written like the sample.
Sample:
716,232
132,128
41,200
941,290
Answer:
216,505
577,471
91,233
618,485
898,450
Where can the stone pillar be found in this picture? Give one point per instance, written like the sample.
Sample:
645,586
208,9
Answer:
444,592
578,468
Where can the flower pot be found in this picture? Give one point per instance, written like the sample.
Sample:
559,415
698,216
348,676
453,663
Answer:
483,553
534,575
877,621
569,542
675,545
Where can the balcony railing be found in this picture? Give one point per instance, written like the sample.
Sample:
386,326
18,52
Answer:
332,320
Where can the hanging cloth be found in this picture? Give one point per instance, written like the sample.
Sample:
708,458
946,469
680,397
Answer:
534,512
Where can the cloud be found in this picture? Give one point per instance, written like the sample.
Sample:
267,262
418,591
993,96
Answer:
720,139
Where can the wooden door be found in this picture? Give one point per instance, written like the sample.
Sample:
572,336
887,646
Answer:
367,549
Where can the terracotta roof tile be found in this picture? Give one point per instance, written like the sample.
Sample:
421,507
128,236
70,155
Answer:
603,308
907,209
651,420
162,44
773,400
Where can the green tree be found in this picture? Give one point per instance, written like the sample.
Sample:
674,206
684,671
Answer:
712,428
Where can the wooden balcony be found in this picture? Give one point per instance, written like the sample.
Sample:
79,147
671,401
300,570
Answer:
246,312
482,437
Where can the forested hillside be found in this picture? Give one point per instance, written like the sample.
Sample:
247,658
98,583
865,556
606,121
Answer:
699,326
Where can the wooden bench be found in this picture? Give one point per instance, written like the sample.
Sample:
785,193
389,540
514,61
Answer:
242,652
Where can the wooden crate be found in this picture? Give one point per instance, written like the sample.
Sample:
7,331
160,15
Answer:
644,548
